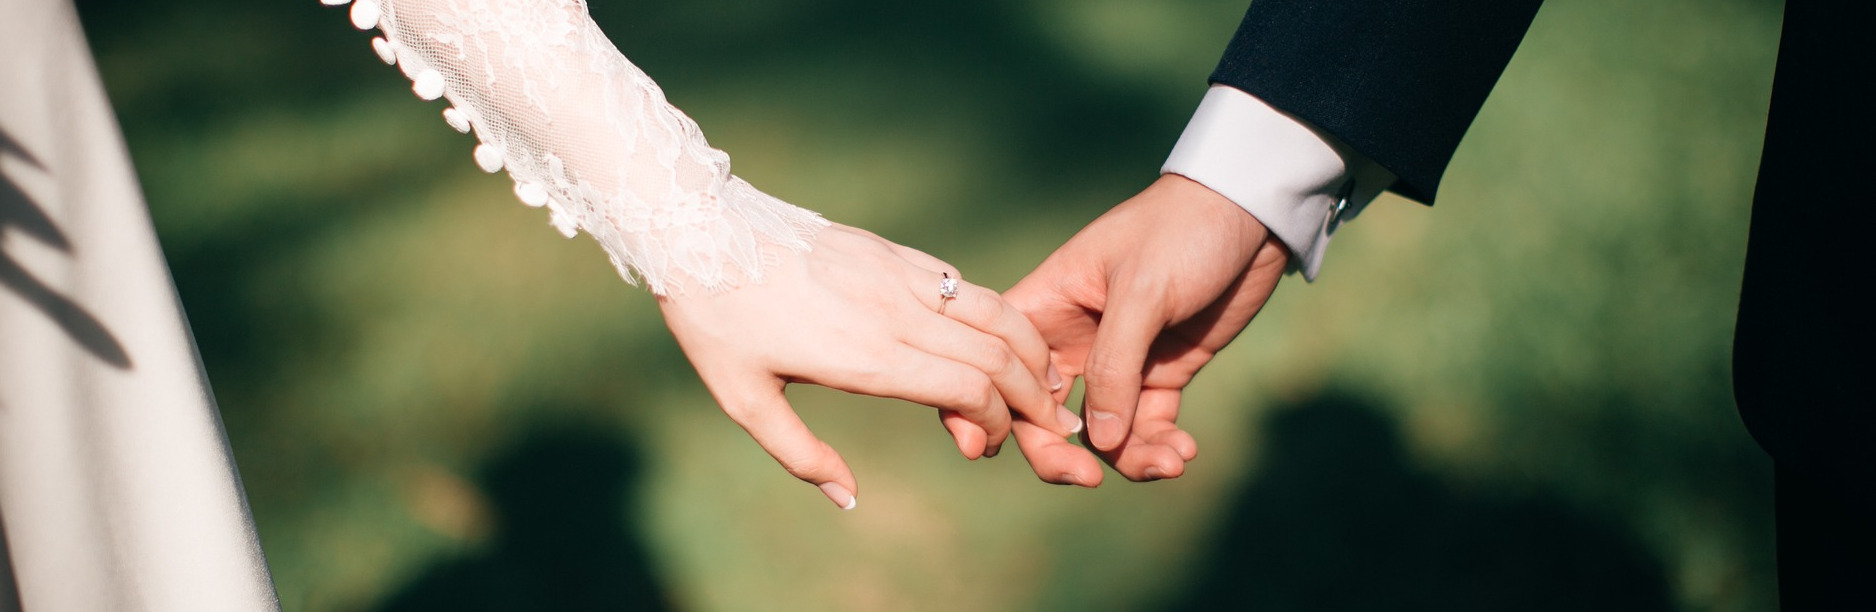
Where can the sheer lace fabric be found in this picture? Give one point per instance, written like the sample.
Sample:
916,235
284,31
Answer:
588,136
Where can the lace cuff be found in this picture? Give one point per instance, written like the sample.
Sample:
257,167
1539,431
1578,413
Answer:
588,136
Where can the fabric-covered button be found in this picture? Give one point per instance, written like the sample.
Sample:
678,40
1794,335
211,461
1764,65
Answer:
456,119
385,51
531,194
429,85
489,158
365,14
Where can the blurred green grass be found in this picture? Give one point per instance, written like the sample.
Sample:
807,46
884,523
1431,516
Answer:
381,321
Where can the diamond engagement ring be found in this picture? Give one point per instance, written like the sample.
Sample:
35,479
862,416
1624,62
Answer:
947,291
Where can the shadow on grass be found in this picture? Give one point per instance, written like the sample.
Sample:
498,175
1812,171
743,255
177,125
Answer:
1338,519
563,508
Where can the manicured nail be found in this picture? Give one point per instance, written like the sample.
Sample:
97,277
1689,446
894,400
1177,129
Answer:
1154,473
1068,478
840,496
990,453
1055,379
1068,419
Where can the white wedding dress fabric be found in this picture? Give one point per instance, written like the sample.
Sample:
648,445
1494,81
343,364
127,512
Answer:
587,136
117,490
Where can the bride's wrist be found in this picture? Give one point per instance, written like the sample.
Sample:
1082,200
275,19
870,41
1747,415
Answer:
767,268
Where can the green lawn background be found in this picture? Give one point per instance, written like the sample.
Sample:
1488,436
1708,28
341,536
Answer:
383,323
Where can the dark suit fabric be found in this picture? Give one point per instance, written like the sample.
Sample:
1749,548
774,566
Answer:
1398,80
1801,353
1802,350
1401,80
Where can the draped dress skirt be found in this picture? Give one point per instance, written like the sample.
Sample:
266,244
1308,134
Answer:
117,489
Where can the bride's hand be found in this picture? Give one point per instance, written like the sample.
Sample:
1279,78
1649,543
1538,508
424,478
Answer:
860,314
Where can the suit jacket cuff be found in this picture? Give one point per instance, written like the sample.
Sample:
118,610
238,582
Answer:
1283,171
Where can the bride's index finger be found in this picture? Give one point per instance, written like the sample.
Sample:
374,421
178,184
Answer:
768,418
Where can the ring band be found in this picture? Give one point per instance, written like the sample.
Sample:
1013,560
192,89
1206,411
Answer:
947,291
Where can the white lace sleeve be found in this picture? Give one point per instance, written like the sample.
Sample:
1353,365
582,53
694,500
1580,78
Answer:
587,135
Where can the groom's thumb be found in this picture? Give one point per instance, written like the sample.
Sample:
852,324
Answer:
1115,364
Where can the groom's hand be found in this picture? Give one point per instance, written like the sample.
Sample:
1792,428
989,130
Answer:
1136,303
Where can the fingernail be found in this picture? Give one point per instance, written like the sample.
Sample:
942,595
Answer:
1154,472
840,496
1055,379
991,452
1105,437
1068,419
1068,478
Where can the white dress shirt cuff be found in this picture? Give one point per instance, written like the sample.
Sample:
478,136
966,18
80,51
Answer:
1298,181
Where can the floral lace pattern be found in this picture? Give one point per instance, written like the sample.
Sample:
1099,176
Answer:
588,136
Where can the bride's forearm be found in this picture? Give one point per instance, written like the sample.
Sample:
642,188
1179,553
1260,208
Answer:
587,135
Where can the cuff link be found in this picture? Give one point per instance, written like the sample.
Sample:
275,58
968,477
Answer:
1334,219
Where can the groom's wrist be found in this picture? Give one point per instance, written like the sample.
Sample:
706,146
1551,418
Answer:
1295,179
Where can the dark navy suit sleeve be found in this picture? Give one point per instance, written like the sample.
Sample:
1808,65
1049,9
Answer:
1397,80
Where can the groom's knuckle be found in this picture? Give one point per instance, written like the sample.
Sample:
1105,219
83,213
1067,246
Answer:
1103,371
